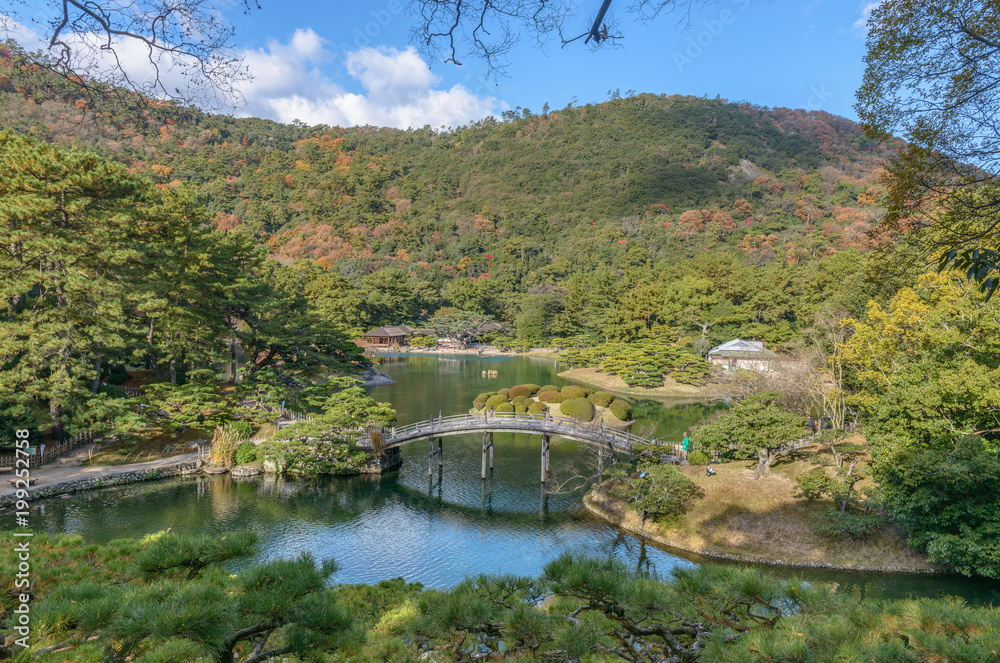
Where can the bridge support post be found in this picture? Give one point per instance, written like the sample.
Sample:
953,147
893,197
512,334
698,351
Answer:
440,452
485,436
491,453
545,458
430,456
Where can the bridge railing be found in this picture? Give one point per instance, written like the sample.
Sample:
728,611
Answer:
514,422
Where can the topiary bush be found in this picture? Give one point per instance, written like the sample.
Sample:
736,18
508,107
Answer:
533,387
518,399
552,397
505,408
112,390
574,391
246,453
621,409
479,404
504,392
520,408
549,387
578,408
602,398
520,390
699,458
537,408
493,401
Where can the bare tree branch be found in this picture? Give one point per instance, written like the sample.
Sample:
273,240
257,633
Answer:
176,50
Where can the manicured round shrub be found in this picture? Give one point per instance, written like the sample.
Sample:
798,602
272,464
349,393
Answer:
552,397
479,404
533,387
518,399
549,387
621,409
505,408
602,398
574,391
493,401
699,458
520,408
246,453
529,401
537,408
486,394
112,390
504,392
578,408
520,390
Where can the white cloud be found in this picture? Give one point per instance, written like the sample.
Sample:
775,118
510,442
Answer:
399,90
861,25
291,81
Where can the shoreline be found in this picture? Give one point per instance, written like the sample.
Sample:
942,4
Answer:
105,476
592,378
612,511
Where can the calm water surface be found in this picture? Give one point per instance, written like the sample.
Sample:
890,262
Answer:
435,531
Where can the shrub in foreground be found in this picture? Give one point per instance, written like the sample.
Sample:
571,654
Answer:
601,398
575,391
552,397
578,408
621,409
505,408
493,401
699,458
521,390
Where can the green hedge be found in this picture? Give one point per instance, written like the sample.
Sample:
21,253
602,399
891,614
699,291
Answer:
575,391
552,397
621,409
699,458
479,404
602,398
578,408
549,387
520,390
505,408
518,399
246,453
504,392
112,390
537,408
533,387
520,408
493,401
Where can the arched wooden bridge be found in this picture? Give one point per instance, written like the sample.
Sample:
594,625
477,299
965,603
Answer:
606,439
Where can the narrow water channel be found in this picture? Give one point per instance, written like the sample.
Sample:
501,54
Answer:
434,530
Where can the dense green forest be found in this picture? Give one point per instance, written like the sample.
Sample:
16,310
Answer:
544,220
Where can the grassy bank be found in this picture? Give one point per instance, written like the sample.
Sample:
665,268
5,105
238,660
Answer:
671,388
759,520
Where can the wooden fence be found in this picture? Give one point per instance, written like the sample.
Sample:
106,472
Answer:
50,450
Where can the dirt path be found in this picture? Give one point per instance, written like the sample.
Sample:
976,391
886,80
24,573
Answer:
52,474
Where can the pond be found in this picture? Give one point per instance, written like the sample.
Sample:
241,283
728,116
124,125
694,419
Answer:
434,530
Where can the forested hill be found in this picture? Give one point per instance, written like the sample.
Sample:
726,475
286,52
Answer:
525,200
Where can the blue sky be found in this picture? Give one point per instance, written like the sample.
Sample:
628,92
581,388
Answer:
353,63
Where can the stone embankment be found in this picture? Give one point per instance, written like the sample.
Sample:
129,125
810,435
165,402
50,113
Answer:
107,476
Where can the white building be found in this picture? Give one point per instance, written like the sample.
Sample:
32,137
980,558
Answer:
738,353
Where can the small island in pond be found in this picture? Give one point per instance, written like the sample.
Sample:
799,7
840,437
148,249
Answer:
572,400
